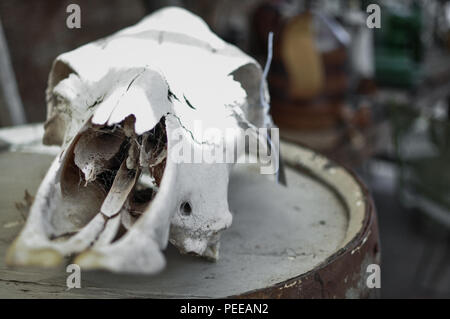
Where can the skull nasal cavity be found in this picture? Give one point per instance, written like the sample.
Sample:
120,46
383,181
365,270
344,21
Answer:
185,208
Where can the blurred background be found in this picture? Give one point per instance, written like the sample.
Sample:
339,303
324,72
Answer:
376,100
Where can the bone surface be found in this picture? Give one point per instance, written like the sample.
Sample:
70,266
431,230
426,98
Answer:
114,197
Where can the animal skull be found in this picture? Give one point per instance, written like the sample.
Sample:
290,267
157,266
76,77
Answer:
121,107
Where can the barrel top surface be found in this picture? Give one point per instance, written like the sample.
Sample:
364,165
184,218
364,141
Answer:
278,233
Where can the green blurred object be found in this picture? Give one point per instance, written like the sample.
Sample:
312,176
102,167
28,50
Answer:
398,45
426,177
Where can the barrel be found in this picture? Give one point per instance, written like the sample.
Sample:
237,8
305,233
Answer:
314,238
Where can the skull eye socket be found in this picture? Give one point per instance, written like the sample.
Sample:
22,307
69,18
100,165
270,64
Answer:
185,209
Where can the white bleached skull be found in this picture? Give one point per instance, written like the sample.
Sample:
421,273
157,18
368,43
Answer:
121,108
